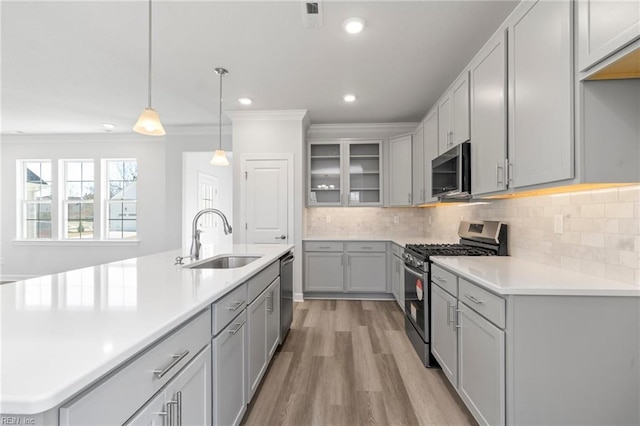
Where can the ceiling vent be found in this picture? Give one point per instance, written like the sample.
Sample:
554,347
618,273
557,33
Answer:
312,13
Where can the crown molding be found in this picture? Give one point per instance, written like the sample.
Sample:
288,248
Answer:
360,130
269,115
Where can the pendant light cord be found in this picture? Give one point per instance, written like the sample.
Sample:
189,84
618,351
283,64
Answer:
220,116
149,63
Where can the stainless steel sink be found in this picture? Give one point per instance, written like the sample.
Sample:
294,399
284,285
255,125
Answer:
224,262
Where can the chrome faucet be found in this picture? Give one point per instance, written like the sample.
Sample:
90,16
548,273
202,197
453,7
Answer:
195,232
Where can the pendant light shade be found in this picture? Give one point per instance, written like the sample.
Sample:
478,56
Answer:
219,157
149,121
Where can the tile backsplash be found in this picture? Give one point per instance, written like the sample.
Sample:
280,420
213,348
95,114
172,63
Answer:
595,232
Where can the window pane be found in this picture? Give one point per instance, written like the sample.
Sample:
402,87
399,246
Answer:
73,190
87,171
31,211
44,211
73,211
87,190
116,170
74,171
116,190
45,172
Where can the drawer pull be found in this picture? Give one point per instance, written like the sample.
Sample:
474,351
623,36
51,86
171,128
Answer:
171,412
473,299
236,306
367,248
439,278
159,374
450,310
324,247
234,331
179,416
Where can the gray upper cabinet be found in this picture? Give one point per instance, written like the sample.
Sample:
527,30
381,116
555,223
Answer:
488,72
453,115
604,26
418,166
344,173
540,94
400,171
325,174
430,139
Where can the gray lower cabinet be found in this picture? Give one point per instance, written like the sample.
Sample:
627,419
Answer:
263,334
444,335
366,272
229,381
186,399
324,271
356,267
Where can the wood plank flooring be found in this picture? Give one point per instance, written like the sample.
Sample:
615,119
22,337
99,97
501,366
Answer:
350,363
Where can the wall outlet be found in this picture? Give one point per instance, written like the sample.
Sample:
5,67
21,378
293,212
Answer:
396,219
328,218
558,224
430,220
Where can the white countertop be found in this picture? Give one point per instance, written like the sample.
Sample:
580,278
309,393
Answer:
401,241
513,276
62,332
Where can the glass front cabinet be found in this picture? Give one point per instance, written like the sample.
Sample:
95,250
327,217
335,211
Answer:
345,173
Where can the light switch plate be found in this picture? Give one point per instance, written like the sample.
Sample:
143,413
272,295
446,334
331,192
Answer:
328,218
396,219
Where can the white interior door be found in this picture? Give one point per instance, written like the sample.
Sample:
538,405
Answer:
267,201
208,198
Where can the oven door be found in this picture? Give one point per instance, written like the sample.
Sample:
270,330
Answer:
416,294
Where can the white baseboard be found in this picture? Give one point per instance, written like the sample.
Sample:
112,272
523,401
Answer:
298,297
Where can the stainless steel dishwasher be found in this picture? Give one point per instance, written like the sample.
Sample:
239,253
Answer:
286,294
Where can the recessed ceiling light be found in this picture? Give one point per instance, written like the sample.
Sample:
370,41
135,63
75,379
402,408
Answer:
245,101
349,98
108,126
353,25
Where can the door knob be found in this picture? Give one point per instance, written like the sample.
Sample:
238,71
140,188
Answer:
281,237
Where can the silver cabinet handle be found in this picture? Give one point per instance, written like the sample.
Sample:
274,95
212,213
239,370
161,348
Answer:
366,248
238,327
458,325
170,411
270,302
439,278
499,171
509,167
179,408
281,237
474,300
450,311
159,374
236,306
324,247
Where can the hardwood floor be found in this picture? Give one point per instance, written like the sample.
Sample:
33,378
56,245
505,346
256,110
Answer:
350,363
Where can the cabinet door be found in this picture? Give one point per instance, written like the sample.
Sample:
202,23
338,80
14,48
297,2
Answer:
444,343
445,119
400,173
190,391
324,271
325,174
364,173
430,128
540,94
481,351
257,342
489,117
229,380
397,280
417,165
366,272
273,318
604,26
460,97
153,413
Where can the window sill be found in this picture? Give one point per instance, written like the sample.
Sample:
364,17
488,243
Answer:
84,243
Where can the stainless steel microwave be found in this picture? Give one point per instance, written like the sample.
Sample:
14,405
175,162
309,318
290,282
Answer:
451,174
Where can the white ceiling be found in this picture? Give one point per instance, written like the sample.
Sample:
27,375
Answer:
69,66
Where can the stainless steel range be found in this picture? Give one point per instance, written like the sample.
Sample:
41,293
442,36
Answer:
482,238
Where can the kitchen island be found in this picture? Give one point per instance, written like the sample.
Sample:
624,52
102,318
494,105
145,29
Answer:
64,333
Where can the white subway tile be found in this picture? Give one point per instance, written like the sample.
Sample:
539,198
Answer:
620,210
592,239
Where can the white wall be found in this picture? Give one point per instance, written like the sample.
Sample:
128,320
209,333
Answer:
159,195
193,163
272,132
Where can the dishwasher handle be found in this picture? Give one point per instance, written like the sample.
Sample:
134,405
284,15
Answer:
287,260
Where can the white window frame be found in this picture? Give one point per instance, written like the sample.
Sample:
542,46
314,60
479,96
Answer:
64,201
107,202
21,208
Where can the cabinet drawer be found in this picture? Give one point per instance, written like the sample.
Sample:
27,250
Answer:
366,246
226,309
397,250
323,246
258,283
487,304
445,279
119,396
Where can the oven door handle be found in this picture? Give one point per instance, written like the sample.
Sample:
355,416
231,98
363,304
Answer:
412,271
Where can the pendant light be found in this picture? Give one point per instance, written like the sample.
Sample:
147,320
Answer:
219,157
149,121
